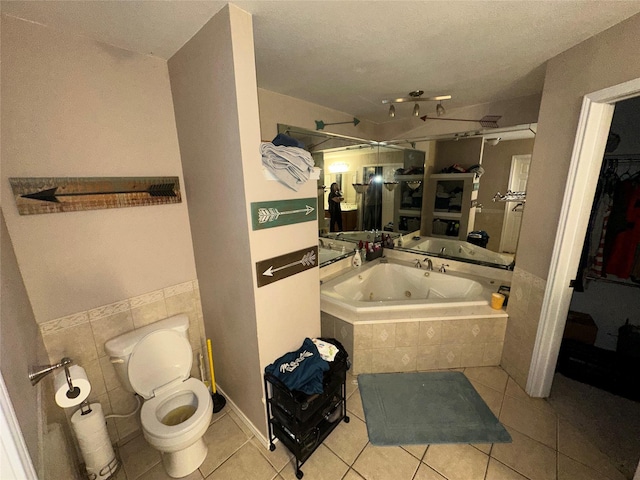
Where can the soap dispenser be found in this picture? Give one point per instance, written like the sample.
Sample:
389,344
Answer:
357,259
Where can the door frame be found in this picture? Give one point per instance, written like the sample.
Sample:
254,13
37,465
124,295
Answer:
586,160
508,209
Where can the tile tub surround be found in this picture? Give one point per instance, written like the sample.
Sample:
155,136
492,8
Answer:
82,336
417,345
422,339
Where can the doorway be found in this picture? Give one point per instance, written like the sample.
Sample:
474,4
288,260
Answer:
586,161
518,177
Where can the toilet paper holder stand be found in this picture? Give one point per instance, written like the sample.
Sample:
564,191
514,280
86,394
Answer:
38,372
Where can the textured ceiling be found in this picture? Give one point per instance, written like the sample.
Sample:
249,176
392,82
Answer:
349,55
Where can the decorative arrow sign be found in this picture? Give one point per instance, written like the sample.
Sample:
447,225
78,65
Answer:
50,195
277,268
283,212
320,124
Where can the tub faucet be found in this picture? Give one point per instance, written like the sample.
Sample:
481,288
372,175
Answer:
442,269
321,242
443,250
417,263
429,263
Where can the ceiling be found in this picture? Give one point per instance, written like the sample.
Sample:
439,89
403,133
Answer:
350,55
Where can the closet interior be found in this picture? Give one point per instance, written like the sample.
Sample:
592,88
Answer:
601,344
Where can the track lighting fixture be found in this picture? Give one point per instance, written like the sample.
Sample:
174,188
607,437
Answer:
416,96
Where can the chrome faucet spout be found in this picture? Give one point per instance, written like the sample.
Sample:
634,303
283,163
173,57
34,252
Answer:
417,263
429,263
442,268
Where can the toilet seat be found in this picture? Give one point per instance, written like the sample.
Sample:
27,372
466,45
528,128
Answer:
159,359
159,369
204,410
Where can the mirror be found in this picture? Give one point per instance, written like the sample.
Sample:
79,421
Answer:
410,190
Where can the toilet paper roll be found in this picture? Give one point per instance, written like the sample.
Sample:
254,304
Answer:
81,387
94,441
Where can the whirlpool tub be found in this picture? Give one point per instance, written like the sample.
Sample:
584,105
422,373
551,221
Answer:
392,317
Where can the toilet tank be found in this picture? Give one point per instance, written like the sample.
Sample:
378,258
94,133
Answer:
119,348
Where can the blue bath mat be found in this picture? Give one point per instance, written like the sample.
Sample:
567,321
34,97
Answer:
426,408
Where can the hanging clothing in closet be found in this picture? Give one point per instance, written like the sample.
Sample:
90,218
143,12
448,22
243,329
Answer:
612,243
620,250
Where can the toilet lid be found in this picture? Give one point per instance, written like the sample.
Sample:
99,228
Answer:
158,359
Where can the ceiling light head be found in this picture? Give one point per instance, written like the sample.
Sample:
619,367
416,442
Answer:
440,111
493,141
392,111
416,110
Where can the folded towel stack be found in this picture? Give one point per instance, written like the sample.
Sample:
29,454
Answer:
292,166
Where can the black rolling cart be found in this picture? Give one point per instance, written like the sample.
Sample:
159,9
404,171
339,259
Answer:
302,422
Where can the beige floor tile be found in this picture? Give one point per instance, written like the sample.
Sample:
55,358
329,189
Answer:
498,471
457,462
352,475
223,438
576,446
569,469
514,390
425,472
348,439
246,464
323,464
159,473
533,422
137,457
351,384
526,456
416,450
493,377
483,447
491,397
278,458
354,405
384,463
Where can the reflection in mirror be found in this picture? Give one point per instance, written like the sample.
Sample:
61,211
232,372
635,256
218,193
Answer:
390,189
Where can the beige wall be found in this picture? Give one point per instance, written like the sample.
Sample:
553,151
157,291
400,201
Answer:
607,59
20,345
214,89
76,107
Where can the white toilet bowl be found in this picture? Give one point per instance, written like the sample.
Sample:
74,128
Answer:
181,445
155,362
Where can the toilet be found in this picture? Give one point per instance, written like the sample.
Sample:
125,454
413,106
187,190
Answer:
155,362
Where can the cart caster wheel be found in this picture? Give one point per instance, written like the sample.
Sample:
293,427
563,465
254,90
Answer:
272,447
347,419
299,474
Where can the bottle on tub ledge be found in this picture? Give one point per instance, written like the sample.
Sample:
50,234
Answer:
356,261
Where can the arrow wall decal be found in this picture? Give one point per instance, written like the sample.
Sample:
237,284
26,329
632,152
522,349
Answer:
283,212
320,124
308,259
66,194
278,268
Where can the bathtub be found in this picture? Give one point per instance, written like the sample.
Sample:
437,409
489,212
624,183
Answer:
393,287
459,250
392,317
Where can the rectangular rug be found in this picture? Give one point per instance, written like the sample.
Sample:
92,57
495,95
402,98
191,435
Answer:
426,408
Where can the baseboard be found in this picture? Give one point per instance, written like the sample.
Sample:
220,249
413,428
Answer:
259,436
